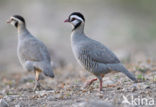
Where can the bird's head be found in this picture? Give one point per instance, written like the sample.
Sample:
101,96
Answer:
76,19
16,21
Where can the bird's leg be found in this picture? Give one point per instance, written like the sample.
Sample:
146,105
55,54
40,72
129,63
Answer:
37,84
100,84
90,82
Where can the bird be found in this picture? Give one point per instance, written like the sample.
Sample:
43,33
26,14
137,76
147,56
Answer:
33,55
92,55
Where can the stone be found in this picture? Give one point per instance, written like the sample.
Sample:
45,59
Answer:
92,104
3,103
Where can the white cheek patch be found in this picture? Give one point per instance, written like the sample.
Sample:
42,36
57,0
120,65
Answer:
13,23
76,17
75,22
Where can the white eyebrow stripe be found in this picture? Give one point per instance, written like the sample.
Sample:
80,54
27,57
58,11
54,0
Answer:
77,17
16,19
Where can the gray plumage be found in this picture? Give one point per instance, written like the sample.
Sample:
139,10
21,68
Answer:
33,54
95,57
91,54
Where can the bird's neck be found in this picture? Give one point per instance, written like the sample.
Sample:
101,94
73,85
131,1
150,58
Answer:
78,34
79,30
22,32
21,29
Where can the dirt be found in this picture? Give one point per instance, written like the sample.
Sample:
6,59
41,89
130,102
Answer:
67,88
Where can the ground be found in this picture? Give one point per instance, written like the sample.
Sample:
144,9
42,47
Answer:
67,89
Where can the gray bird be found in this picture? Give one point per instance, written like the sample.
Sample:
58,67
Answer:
32,53
91,54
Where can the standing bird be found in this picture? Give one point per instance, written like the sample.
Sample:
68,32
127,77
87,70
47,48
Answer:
91,54
32,53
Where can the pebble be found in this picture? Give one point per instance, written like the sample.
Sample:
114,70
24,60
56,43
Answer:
18,105
92,104
9,98
108,82
146,87
51,98
44,92
3,103
41,93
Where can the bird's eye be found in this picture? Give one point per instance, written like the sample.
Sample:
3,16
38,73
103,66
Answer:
73,19
12,19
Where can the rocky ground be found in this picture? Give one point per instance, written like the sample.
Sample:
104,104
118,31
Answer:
67,89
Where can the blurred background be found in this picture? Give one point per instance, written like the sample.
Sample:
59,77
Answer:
128,27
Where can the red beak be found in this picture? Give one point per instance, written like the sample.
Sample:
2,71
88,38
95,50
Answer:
8,21
67,20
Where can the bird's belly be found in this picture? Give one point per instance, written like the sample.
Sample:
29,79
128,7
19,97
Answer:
93,67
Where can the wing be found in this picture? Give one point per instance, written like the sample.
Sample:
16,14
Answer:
99,53
34,50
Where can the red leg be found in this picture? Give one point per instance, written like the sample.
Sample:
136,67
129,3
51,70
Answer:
100,84
90,82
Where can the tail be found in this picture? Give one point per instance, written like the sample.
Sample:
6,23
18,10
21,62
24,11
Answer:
121,68
48,71
46,68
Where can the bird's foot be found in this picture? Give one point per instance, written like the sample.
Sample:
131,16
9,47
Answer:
37,86
89,83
